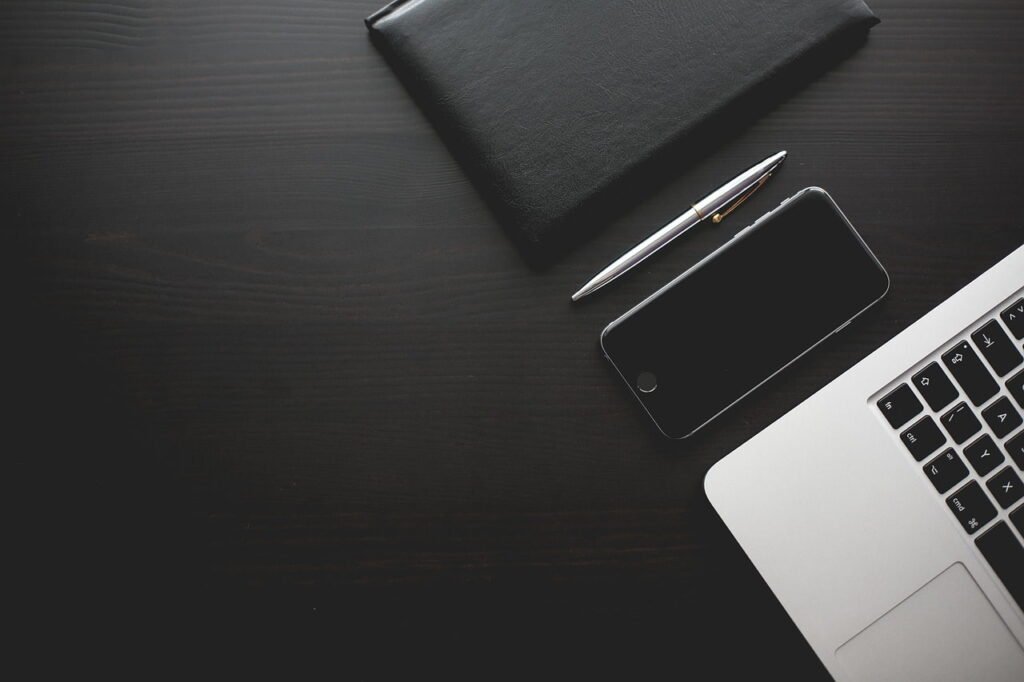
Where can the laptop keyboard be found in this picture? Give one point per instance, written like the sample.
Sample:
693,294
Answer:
960,417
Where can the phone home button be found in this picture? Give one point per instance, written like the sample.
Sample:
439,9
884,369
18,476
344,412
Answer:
647,382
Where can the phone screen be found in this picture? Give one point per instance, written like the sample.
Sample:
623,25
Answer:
744,313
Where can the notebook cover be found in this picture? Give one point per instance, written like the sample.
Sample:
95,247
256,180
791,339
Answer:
556,109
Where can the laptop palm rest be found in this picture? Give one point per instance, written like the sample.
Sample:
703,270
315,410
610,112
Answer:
946,630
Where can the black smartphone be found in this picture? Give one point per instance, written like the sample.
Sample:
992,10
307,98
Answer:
731,322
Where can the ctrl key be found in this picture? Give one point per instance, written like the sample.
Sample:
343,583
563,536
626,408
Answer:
971,507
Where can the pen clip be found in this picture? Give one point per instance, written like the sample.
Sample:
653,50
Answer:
722,215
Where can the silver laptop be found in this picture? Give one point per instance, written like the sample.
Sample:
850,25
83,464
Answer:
886,512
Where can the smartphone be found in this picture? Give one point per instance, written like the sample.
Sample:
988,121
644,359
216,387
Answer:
737,318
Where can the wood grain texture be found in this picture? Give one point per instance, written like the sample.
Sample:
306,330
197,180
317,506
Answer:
275,358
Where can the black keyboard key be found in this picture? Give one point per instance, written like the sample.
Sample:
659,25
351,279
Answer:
966,367
923,438
1016,386
961,423
1006,487
1005,555
1014,318
971,507
997,348
1002,418
984,455
935,386
1015,446
1017,516
945,471
900,406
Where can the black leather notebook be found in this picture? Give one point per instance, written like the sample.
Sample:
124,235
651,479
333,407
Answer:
562,110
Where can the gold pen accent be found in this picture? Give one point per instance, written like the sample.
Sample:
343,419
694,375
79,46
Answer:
719,217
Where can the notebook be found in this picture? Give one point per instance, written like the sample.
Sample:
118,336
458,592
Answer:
563,112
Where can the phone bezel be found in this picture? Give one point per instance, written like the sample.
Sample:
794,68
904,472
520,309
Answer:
711,256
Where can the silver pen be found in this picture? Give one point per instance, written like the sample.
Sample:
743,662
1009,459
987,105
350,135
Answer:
716,206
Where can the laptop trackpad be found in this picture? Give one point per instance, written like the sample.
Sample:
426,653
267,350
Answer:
947,630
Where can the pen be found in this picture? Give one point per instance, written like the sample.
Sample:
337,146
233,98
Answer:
716,206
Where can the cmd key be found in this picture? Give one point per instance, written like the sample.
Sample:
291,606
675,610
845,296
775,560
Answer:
971,507
966,367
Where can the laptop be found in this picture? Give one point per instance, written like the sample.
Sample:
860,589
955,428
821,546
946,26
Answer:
886,512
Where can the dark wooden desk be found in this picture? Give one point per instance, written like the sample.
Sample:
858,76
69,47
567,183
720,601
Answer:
276,359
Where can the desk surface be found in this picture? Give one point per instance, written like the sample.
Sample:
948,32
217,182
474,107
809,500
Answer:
277,358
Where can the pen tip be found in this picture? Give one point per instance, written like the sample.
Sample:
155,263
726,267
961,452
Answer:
576,297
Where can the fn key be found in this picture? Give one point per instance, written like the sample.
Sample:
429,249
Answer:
1005,555
900,406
